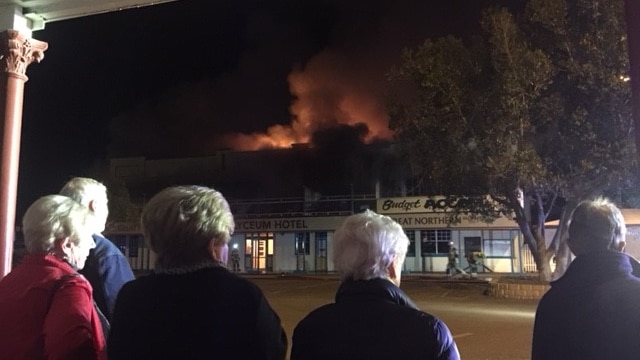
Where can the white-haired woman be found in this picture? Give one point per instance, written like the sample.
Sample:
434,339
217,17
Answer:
46,309
191,306
371,317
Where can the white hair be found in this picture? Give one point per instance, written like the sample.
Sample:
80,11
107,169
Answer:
83,190
90,193
54,217
366,244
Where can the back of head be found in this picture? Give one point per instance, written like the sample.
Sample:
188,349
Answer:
90,193
366,244
596,225
180,222
54,217
83,190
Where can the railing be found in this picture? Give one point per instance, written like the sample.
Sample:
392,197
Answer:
528,262
299,207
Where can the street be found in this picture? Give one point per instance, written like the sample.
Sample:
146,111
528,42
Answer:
485,328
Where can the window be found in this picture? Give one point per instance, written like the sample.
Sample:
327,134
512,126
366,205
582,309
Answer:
497,243
472,244
133,245
120,241
129,244
435,241
248,248
497,247
302,244
411,251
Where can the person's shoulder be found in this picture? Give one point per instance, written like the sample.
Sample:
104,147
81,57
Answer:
233,281
322,310
629,285
100,240
138,285
429,326
72,280
321,314
423,316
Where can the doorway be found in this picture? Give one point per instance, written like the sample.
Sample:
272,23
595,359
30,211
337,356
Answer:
321,252
259,252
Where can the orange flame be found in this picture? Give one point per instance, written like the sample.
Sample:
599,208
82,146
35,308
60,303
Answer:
323,99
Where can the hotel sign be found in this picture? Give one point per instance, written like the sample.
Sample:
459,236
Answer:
289,224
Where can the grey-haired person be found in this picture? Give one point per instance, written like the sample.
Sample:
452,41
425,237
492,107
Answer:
107,269
191,306
371,317
592,311
46,309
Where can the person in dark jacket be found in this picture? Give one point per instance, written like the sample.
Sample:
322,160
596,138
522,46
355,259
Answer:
107,269
191,306
592,311
371,317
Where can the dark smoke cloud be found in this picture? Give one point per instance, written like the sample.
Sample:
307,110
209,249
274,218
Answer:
303,66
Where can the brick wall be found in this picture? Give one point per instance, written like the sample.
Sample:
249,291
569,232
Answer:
521,291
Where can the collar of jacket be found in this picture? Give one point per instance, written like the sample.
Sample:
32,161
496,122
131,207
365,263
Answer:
600,267
377,288
44,259
186,269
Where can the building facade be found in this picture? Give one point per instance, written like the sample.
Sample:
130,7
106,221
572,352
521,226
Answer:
292,235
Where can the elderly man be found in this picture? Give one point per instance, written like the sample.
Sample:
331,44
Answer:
107,269
371,317
592,311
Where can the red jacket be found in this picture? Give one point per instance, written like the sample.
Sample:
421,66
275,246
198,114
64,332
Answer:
36,323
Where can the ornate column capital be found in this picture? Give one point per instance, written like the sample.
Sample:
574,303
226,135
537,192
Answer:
18,51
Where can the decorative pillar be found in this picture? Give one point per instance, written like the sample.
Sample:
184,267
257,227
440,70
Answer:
16,53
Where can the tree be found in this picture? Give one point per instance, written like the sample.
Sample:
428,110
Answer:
121,209
533,110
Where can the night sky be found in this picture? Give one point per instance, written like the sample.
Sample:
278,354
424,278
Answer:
189,77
